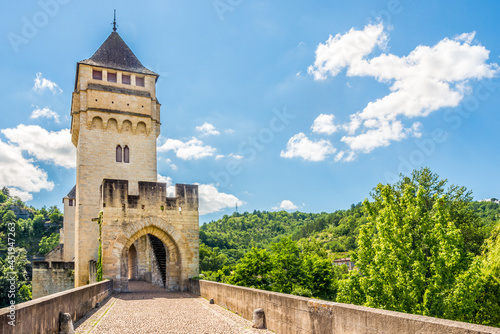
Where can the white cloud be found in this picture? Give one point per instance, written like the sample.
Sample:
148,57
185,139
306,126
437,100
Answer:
236,156
170,184
20,174
286,205
207,129
45,113
23,195
171,164
211,200
345,156
429,78
324,124
341,50
299,146
42,84
192,149
381,135
50,146
465,37
219,156
229,131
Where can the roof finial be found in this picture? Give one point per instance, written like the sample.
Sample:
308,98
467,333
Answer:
114,22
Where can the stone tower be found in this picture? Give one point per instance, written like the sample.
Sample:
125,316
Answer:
115,124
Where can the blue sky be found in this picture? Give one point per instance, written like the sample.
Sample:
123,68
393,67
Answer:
271,104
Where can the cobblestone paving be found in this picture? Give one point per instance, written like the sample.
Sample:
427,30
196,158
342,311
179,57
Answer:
148,309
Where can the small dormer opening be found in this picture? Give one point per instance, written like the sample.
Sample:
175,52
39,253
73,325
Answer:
111,77
96,75
125,79
70,202
139,81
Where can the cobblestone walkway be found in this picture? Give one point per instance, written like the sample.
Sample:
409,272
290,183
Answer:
148,309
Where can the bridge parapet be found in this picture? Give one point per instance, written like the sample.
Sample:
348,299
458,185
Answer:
42,315
293,314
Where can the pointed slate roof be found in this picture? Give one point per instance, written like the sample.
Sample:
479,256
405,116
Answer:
72,193
115,53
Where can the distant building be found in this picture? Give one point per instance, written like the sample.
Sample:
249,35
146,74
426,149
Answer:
492,200
347,261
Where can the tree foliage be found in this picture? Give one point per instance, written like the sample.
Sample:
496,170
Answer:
33,237
14,277
418,253
234,236
48,243
289,267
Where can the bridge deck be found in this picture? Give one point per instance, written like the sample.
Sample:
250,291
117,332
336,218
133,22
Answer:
148,309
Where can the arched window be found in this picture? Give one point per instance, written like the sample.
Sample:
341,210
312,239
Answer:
118,153
126,155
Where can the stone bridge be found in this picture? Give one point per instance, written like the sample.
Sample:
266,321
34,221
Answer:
150,309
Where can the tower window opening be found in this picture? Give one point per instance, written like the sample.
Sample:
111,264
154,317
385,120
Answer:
111,77
125,79
70,202
126,155
118,153
139,81
96,75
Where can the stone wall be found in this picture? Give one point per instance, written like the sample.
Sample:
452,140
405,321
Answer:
288,314
143,259
42,315
173,220
69,230
52,277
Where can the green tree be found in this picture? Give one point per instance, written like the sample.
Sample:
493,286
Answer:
3,197
458,202
408,254
287,268
9,217
48,243
38,225
253,270
476,297
13,270
6,191
304,269
211,259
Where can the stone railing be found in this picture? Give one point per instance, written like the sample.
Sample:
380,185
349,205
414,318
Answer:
42,315
286,314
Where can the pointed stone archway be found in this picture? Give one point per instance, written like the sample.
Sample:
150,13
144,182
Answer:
118,242
172,280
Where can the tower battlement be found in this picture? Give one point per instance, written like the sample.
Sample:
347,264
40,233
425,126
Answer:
152,196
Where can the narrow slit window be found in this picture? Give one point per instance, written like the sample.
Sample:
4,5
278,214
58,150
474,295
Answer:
118,153
139,81
70,202
126,154
125,79
111,77
96,75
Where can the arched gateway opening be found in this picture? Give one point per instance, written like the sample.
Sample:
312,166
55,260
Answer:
151,255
